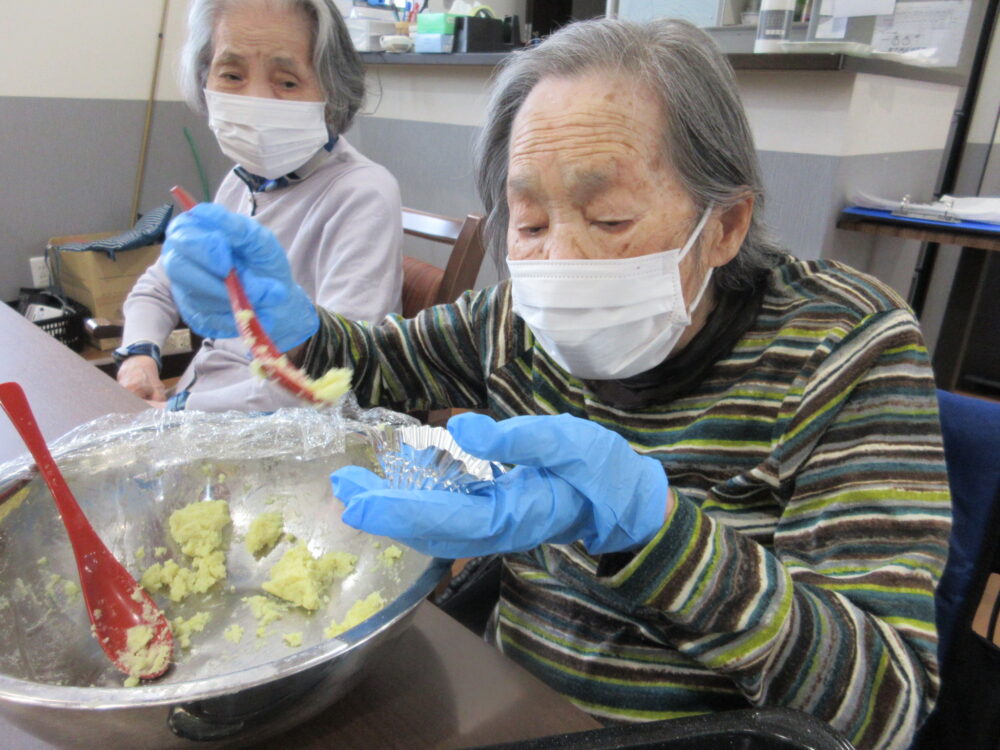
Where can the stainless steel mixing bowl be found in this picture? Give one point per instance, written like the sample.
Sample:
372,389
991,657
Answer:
56,683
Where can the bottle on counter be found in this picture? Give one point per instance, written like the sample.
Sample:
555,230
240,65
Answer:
774,24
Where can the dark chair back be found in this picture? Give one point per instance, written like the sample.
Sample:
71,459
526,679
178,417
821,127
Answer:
968,598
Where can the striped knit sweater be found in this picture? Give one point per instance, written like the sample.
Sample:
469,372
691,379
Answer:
799,565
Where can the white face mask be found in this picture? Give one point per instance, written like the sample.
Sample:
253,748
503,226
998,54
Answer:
606,319
268,137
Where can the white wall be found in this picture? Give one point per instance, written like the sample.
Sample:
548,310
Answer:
97,49
822,113
446,94
840,114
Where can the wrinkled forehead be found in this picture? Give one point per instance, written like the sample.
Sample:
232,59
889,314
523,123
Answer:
248,22
597,118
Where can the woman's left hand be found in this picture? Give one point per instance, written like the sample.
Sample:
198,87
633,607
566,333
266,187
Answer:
573,479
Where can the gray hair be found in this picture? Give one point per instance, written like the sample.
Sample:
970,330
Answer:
336,62
706,136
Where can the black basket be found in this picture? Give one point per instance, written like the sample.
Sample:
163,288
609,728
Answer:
68,327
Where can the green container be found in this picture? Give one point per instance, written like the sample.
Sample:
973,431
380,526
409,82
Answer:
435,23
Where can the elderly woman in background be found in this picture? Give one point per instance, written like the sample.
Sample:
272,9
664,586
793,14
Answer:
727,485
280,81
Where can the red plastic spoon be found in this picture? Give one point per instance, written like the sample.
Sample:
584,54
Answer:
115,602
274,364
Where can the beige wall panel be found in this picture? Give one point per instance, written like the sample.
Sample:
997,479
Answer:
98,49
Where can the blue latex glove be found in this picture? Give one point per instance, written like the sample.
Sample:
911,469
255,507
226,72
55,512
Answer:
573,480
203,244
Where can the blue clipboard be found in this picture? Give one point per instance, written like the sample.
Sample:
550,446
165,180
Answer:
888,217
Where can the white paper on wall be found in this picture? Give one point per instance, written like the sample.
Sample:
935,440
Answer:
850,8
928,31
834,27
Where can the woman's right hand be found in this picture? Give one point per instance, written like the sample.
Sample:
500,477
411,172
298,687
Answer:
201,247
140,375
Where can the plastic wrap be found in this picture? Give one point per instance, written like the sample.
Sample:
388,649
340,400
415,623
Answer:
157,438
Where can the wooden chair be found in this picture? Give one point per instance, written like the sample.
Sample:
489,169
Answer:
424,284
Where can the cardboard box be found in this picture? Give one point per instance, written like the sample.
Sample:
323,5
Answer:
104,298
93,279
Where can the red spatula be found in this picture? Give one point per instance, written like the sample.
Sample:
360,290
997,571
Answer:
131,629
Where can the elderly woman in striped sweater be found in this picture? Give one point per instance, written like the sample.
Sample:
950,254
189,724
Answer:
727,484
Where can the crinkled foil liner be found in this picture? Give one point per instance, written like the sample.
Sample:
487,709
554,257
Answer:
424,457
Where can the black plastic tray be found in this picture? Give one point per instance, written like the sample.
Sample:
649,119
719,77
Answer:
749,729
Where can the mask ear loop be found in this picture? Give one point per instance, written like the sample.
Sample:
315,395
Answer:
695,234
684,251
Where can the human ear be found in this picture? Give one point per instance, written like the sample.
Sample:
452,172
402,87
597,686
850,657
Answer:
729,229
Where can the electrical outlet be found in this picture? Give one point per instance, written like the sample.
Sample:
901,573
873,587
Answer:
39,272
